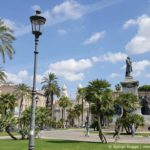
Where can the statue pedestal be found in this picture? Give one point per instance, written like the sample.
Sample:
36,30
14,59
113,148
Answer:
129,85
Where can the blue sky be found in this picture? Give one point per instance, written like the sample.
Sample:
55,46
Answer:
82,40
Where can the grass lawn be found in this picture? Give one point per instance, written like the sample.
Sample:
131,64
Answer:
67,145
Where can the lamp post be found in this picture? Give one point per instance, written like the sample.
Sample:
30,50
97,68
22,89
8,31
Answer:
37,21
36,100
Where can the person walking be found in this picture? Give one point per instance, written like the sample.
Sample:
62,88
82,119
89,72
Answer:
133,129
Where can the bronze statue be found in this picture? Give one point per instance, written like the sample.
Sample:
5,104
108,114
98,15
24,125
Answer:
128,67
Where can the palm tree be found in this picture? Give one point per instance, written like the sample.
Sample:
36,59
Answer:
51,88
71,116
128,103
98,93
22,92
78,110
7,103
64,102
3,75
6,39
81,95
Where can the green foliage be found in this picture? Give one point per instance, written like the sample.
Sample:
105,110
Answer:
64,102
94,125
71,116
145,88
7,120
59,124
42,117
127,101
80,94
22,92
51,88
130,119
6,39
99,95
7,103
95,90
7,106
3,76
50,85
78,109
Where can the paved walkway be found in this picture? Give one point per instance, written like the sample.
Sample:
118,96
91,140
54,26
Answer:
78,135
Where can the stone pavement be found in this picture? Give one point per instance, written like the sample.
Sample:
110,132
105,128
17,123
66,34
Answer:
79,135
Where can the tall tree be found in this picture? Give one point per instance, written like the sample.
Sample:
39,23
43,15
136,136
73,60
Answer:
128,103
64,102
51,88
81,96
6,39
23,93
98,93
78,110
7,103
3,76
71,116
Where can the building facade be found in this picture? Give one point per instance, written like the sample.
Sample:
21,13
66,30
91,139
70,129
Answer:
10,88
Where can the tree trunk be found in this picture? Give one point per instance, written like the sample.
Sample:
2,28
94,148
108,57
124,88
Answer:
7,129
52,99
64,114
101,135
62,117
47,101
20,109
82,111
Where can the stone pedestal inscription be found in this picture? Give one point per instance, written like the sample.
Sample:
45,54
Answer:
130,86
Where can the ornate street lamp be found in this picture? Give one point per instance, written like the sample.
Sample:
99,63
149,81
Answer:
37,21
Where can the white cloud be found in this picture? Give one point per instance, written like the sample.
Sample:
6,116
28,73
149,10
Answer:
38,78
23,74
22,77
94,38
36,7
111,57
70,69
68,10
73,10
114,75
140,43
61,31
141,65
128,23
17,78
148,75
18,29
10,24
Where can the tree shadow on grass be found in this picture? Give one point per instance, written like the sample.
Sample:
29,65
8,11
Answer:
71,141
